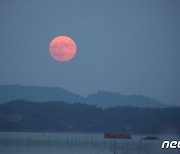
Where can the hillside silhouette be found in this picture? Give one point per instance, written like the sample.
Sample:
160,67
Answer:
102,98
22,115
38,94
107,99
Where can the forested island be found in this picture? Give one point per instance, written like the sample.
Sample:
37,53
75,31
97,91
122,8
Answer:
21,115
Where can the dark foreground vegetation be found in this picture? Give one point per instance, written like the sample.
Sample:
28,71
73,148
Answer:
59,116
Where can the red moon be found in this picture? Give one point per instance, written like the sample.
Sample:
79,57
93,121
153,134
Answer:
62,48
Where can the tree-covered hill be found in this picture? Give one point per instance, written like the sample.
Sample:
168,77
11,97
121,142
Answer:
59,116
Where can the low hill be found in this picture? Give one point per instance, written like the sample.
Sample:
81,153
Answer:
35,93
102,99
59,116
107,99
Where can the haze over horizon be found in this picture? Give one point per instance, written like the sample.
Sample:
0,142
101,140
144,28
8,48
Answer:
131,47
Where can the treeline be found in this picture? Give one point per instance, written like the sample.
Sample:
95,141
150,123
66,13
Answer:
59,116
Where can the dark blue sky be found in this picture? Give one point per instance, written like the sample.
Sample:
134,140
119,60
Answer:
126,46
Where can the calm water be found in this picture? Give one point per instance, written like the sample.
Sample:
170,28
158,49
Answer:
78,143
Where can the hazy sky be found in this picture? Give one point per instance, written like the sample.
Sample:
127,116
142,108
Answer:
126,46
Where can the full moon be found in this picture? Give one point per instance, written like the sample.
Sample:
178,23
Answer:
62,48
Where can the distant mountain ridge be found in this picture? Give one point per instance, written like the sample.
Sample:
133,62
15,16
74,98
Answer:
107,99
102,98
36,93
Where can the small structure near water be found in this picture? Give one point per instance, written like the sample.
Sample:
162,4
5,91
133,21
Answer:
150,138
117,135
